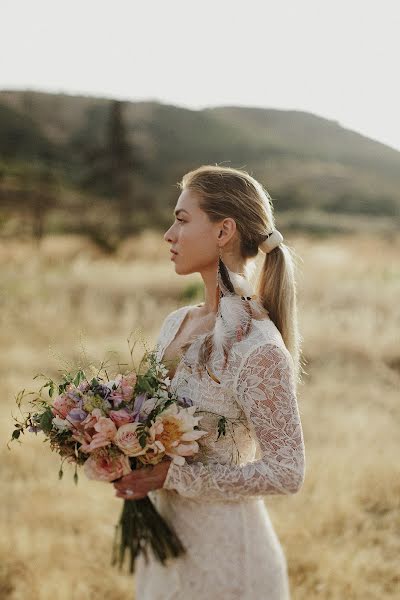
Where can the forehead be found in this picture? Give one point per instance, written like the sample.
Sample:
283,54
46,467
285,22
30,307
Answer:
188,201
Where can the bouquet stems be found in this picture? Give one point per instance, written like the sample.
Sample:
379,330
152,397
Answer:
140,526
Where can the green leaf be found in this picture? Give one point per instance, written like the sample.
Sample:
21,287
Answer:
79,377
46,421
146,386
60,473
15,434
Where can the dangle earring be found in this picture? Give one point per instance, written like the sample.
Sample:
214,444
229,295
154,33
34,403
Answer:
230,282
234,315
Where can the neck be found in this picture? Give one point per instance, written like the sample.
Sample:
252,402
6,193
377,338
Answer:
209,276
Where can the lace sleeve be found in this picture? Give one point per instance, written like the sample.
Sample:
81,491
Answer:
266,390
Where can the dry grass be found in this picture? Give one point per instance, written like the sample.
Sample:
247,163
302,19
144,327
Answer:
340,533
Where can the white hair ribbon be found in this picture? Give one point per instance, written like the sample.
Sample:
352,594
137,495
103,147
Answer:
273,240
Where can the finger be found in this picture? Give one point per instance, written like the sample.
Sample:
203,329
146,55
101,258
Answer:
129,492
126,494
121,496
123,484
130,497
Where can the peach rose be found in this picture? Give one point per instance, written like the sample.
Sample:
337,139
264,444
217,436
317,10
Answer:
103,467
121,417
127,440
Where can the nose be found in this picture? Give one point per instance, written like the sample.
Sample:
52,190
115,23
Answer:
167,235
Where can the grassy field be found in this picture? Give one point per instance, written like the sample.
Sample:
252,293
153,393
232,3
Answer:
66,301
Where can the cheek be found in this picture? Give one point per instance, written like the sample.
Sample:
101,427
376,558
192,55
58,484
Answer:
197,240
200,249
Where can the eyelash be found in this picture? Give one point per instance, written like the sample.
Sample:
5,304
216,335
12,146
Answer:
181,220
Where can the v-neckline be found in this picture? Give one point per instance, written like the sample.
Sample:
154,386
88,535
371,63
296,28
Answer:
172,338
196,338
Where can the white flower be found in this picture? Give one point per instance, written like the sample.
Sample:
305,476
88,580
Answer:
61,424
174,429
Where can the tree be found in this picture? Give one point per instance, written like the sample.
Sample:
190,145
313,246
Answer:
112,166
32,192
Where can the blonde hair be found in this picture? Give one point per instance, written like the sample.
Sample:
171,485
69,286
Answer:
227,192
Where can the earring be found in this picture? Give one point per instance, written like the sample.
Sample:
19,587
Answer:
224,282
234,311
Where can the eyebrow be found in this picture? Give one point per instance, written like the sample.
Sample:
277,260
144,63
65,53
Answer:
179,210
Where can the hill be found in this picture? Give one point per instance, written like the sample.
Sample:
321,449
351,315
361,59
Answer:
308,164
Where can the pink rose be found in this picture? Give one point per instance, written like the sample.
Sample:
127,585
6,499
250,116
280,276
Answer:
62,404
106,428
129,379
103,467
126,384
106,431
127,440
116,397
121,417
91,420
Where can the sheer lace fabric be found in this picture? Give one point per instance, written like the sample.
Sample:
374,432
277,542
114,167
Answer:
215,501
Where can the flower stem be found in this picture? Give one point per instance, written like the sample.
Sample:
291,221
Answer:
140,526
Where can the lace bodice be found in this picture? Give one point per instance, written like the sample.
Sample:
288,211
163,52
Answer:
262,451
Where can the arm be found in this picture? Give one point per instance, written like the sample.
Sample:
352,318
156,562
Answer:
266,390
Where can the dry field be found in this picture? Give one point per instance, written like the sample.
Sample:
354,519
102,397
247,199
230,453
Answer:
341,532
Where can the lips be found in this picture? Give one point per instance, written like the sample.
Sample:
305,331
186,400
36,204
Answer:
173,252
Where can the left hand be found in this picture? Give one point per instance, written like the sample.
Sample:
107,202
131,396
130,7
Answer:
143,480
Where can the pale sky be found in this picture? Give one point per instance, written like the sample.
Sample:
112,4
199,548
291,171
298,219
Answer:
337,59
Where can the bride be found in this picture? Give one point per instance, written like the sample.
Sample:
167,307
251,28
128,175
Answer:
236,356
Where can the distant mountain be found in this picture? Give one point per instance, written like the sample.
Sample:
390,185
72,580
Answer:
306,162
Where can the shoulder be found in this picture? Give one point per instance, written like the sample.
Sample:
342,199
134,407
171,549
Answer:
264,340
175,314
178,312
170,320
263,332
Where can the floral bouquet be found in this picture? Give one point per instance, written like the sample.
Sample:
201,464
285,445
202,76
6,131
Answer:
111,427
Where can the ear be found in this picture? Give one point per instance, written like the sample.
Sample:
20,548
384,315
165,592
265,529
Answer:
226,230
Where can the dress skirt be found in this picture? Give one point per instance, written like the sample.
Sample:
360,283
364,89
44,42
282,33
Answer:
232,552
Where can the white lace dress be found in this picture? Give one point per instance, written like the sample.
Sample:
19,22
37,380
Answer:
215,501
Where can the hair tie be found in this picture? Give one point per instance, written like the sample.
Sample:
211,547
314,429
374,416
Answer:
272,240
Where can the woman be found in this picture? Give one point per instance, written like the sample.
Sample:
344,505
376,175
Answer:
236,356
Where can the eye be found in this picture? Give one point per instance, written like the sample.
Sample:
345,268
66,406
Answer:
181,220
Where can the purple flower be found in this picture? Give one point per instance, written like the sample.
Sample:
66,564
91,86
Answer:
138,405
102,390
77,415
84,386
34,429
185,402
72,395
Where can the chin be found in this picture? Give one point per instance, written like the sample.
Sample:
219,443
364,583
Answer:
183,270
